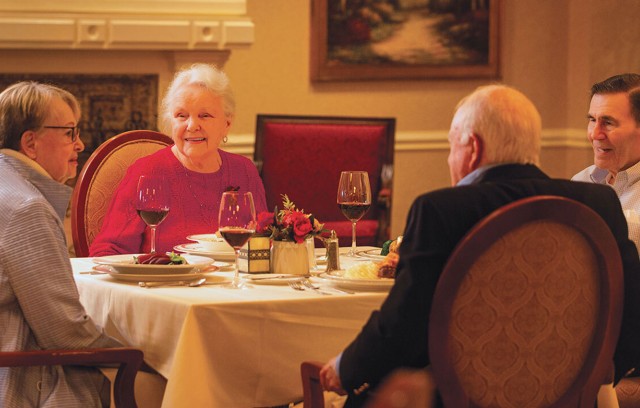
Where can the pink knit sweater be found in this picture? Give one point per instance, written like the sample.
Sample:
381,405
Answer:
195,198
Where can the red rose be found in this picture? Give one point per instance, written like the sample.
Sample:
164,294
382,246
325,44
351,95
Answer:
265,219
301,228
290,218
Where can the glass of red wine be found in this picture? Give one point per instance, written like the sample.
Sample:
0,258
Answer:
236,223
354,199
153,203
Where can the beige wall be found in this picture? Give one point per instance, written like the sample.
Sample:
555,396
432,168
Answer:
551,50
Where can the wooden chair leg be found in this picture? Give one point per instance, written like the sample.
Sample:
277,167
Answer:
312,389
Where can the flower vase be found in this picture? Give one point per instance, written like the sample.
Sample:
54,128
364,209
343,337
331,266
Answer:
289,257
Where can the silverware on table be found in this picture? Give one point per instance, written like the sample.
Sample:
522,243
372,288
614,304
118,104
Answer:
295,285
310,285
300,285
272,276
191,283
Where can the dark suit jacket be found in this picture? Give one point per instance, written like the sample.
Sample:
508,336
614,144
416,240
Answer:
396,335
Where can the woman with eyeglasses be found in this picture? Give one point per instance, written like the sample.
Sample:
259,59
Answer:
40,307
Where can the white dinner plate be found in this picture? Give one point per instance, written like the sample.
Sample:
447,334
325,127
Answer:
336,279
211,242
196,249
132,277
271,278
205,237
371,254
225,266
124,264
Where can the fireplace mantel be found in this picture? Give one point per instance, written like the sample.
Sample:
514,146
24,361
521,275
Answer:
174,25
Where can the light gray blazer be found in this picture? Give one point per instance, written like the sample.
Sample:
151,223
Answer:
39,302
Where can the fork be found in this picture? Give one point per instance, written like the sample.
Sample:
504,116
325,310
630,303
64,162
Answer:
310,285
306,283
295,285
299,285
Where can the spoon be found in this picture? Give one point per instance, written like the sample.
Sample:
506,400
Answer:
191,284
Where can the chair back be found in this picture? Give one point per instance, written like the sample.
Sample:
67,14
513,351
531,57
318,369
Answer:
528,308
303,156
128,360
99,178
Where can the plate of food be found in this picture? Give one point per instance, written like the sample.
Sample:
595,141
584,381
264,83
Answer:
337,279
367,275
372,253
155,264
361,276
134,277
195,248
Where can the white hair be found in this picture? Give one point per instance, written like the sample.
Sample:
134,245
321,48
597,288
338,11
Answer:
507,122
205,75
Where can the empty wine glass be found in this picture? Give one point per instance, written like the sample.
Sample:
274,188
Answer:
153,203
354,199
237,222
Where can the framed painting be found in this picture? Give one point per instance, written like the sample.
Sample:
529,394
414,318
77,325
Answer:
110,104
404,39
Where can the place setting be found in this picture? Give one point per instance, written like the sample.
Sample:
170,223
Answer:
345,280
127,267
210,245
363,265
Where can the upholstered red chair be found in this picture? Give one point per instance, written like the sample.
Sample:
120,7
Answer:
528,308
129,361
302,156
99,178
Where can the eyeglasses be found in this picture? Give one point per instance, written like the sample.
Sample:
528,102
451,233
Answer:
75,131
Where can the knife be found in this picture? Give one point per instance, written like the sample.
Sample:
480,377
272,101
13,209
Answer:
274,276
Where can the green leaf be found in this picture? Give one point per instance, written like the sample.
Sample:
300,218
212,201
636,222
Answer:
177,259
385,247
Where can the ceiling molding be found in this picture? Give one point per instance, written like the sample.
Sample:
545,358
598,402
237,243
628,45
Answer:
125,25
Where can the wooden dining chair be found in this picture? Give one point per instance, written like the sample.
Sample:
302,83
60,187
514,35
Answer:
302,156
99,178
402,388
312,392
628,392
528,308
129,361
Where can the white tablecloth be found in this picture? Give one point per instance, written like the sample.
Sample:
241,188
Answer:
225,348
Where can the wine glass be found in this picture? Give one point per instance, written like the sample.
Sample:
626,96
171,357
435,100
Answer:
153,203
236,222
354,199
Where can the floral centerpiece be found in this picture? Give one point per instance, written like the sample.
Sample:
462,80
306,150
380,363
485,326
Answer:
288,224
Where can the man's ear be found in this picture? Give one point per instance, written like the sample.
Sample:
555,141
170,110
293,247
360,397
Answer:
477,151
28,144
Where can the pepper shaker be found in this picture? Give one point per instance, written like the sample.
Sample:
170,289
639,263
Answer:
333,252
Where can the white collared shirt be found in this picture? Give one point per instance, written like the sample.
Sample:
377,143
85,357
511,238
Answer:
626,184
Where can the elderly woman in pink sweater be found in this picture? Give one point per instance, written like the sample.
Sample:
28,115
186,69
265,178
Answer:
199,109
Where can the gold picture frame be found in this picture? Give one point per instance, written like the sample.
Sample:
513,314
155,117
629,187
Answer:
382,39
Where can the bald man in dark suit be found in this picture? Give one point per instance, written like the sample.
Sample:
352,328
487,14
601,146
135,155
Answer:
494,152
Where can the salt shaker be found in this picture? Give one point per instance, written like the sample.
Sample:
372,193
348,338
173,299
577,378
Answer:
333,252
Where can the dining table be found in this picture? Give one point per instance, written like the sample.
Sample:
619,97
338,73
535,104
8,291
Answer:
220,347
